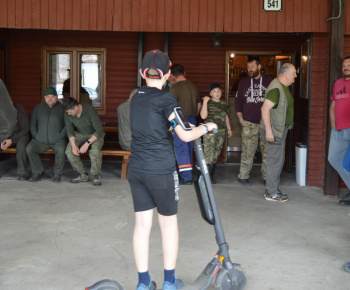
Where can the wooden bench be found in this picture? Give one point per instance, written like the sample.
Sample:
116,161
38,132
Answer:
107,152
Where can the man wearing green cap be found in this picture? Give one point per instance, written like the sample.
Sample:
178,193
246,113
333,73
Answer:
49,132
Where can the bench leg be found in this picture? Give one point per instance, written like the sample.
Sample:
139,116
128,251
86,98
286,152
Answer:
125,164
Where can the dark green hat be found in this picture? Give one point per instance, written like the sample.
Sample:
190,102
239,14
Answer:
50,91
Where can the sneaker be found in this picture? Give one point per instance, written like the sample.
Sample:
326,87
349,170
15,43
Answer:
22,177
275,197
185,181
282,194
279,192
57,178
178,284
36,177
347,267
346,197
244,182
344,202
96,180
84,177
152,286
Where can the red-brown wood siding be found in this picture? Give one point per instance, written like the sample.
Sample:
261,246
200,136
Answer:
24,67
167,15
204,65
318,110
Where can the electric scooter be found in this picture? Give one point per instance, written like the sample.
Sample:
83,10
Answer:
227,275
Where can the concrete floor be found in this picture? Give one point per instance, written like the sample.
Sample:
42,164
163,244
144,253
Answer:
68,236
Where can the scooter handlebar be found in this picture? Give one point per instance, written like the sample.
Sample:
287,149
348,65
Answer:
214,131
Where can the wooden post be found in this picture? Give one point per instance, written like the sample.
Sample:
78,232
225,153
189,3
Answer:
335,72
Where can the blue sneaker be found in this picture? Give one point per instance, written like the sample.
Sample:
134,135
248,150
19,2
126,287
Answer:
347,267
152,286
178,284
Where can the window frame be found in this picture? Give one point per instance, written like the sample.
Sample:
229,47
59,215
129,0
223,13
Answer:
75,53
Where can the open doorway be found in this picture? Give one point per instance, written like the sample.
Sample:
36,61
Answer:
236,69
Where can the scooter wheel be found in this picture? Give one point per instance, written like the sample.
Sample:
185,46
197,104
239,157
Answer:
106,284
223,280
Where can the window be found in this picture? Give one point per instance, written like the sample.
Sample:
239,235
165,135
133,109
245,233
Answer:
76,72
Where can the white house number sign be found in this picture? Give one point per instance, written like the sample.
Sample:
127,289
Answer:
272,5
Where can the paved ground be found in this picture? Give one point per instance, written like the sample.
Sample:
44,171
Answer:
67,236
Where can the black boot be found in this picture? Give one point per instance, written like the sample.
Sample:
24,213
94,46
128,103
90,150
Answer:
212,171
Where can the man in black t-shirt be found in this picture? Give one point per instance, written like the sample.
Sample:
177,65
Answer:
152,173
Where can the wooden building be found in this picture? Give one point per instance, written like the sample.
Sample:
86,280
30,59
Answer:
43,42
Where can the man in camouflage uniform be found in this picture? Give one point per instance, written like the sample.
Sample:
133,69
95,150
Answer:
249,99
214,110
84,130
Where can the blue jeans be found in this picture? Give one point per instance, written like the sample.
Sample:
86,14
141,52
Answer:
338,146
184,153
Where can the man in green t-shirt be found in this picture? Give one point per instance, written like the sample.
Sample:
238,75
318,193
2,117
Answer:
85,133
277,115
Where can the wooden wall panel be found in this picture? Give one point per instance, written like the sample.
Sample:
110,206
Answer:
93,15
347,18
185,15
194,19
53,17
19,13
152,15
219,21
36,13
3,13
11,14
44,14
233,16
127,16
210,20
237,16
85,14
68,14
202,14
24,72
76,16
169,15
318,109
246,17
60,21
117,15
27,17
160,19
109,15
227,15
347,45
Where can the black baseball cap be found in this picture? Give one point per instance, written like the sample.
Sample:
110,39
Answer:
214,86
157,60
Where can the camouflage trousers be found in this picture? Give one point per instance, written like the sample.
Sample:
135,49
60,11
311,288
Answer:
212,147
250,140
95,154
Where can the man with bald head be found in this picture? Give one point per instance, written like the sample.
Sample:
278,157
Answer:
277,115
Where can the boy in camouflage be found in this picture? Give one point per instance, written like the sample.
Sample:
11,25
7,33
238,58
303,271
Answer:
215,110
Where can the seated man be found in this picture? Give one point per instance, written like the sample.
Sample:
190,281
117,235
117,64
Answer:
20,137
124,127
49,132
7,113
84,129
